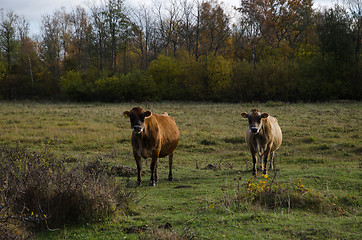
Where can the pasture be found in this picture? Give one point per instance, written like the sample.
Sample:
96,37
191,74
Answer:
208,199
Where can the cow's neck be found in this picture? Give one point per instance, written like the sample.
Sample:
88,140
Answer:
141,141
265,129
149,124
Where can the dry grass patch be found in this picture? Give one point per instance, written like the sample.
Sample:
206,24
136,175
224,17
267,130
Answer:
38,191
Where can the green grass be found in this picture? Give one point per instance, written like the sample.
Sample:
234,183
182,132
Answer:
321,146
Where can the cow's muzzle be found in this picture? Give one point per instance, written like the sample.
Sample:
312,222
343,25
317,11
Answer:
137,129
254,130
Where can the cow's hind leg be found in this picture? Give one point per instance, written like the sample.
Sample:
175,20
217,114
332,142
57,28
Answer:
271,161
265,162
170,159
156,171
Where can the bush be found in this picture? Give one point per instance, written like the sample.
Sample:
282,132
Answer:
139,87
271,80
242,80
164,71
38,191
73,84
110,89
193,80
219,75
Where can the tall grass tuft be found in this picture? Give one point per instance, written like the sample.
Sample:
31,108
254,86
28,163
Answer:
38,191
271,194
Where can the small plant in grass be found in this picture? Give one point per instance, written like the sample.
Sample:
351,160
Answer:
272,193
163,232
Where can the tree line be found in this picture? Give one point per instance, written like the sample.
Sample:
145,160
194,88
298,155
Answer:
280,50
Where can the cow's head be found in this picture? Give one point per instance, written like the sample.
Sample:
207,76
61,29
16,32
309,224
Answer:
254,117
137,116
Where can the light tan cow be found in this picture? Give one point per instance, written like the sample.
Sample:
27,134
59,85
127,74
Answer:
263,137
155,136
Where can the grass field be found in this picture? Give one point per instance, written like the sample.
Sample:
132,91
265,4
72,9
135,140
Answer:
321,149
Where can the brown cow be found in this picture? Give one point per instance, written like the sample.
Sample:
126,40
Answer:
263,137
154,136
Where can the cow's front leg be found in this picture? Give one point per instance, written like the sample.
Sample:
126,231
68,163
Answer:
139,168
254,163
154,176
170,159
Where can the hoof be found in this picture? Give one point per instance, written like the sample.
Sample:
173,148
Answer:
170,179
139,184
152,184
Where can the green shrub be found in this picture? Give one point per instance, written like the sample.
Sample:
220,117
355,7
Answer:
242,82
109,89
193,80
219,76
139,87
73,84
164,71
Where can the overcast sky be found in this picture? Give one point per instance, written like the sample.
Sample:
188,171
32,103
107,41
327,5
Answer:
33,10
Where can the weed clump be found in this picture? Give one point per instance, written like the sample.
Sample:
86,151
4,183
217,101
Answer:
162,232
38,191
271,194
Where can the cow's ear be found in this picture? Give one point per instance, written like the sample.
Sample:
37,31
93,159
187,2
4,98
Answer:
126,114
244,115
264,115
147,114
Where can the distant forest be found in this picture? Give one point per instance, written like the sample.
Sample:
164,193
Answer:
264,50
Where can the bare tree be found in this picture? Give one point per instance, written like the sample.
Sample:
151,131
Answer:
143,33
197,30
27,53
8,45
169,24
187,30
100,32
79,19
214,26
355,8
51,48
118,28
